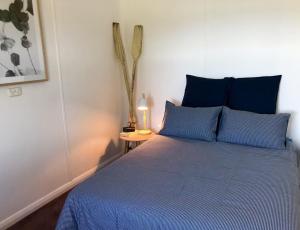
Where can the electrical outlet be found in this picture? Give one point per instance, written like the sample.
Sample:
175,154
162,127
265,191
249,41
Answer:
14,92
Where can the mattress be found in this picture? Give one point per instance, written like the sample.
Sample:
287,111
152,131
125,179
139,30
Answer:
170,183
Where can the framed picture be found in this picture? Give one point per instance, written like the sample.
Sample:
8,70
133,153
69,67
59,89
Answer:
21,50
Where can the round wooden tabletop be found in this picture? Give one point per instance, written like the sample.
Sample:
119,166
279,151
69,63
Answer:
135,136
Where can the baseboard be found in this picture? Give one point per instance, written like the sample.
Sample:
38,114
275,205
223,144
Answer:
19,215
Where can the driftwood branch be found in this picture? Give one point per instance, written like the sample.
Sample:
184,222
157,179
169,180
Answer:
120,53
136,52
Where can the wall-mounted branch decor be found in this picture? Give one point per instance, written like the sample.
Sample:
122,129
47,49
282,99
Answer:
136,52
21,53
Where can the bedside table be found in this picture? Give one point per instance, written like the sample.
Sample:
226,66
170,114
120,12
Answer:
135,139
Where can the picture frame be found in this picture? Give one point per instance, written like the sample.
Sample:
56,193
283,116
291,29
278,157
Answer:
21,47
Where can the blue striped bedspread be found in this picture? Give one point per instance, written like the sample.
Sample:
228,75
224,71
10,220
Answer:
170,183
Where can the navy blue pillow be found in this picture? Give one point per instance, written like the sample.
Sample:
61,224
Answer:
205,92
194,123
258,95
259,130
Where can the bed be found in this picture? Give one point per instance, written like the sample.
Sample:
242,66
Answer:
175,183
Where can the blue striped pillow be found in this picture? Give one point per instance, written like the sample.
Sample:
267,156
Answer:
194,123
259,130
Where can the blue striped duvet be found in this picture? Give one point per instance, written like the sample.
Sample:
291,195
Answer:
174,184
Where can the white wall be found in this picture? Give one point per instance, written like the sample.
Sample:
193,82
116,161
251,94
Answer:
216,38
59,129
93,101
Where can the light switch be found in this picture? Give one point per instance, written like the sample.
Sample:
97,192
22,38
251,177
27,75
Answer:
14,92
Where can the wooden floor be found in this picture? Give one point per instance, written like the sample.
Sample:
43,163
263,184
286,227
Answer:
43,219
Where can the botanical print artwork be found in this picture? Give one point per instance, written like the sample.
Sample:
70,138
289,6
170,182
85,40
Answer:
21,54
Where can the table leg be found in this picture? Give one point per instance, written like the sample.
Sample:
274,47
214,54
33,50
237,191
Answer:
126,147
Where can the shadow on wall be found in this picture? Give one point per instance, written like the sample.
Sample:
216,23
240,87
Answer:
111,152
